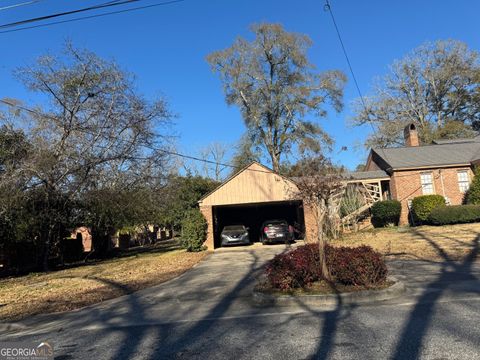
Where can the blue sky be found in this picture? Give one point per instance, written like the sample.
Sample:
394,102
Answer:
166,47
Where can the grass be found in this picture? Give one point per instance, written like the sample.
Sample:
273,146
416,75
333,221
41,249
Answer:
423,242
69,289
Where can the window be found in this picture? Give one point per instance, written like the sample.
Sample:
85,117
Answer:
427,183
463,180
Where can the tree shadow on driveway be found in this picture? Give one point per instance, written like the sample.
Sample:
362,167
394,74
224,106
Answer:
173,340
181,345
416,327
185,337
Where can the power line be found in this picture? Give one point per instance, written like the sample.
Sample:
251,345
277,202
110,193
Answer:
328,8
18,5
168,152
51,16
93,16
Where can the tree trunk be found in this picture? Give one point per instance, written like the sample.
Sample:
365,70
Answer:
321,244
275,162
46,252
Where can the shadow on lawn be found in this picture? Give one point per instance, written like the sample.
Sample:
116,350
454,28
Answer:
408,346
186,340
147,336
410,343
411,338
159,247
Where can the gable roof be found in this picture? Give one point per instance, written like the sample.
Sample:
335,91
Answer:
254,183
446,154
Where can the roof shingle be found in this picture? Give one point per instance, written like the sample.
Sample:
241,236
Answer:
430,155
365,175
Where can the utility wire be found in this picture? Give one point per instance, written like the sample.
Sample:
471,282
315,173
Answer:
328,8
51,16
18,5
93,16
167,152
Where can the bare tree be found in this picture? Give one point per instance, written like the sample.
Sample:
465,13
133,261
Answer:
95,132
321,193
275,87
244,154
435,87
216,153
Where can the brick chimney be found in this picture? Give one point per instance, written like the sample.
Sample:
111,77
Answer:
411,136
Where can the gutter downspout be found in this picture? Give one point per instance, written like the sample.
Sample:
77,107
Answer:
443,185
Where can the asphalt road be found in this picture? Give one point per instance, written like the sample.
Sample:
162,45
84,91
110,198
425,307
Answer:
208,314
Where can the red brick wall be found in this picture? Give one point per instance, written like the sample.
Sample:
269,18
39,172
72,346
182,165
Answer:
208,214
405,185
86,237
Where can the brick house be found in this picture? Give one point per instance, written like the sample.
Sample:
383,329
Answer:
256,193
443,167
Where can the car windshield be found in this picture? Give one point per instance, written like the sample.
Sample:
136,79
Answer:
234,228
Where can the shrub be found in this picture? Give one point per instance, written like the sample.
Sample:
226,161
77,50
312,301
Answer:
360,266
194,231
422,206
386,212
458,214
352,200
472,196
294,269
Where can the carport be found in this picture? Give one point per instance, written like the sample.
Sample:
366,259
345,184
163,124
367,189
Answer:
253,215
253,195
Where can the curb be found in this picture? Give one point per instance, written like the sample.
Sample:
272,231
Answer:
359,297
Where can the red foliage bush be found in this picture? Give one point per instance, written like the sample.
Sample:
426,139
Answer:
360,266
294,269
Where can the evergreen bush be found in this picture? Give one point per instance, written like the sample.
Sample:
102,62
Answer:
194,231
386,212
423,205
459,214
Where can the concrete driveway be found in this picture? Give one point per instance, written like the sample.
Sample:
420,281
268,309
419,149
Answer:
207,314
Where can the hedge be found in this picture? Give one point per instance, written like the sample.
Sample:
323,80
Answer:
386,212
422,206
457,214
357,266
194,231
